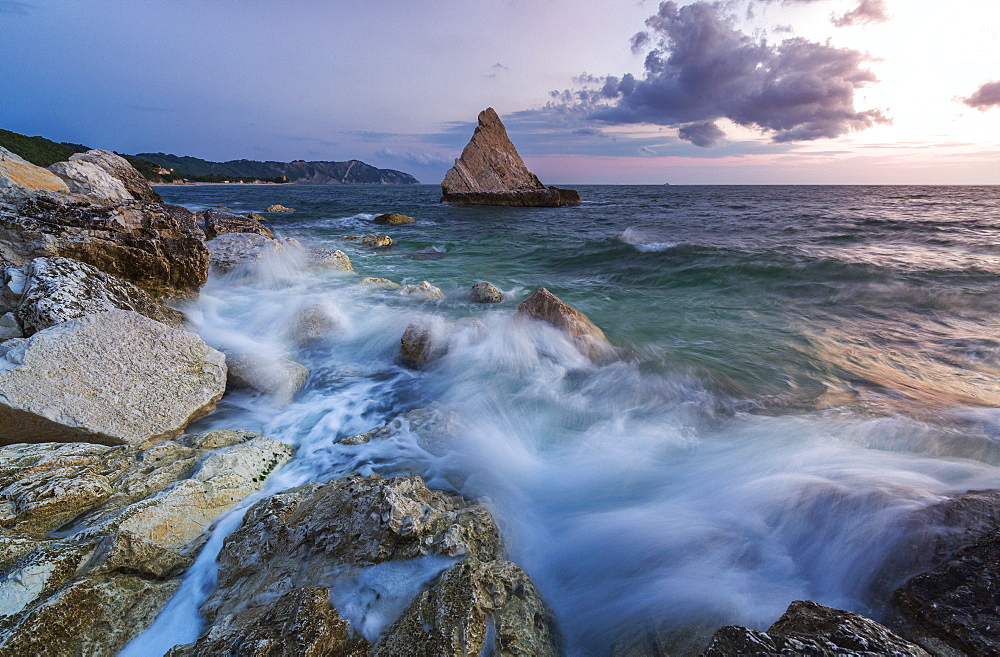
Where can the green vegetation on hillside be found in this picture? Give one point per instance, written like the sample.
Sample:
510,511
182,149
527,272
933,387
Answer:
38,150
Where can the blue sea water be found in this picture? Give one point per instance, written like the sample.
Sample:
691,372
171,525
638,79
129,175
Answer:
803,367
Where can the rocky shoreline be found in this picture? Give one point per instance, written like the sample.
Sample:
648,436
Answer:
107,500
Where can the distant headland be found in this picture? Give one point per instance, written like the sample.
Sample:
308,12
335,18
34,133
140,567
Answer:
160,168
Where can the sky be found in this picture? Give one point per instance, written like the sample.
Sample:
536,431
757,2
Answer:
591,91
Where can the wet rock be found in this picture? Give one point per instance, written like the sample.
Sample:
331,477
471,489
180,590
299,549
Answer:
92,181
435,429
485,292
312,325
292,543
60,289
808,628
18,173
334,259
157,247
491,172
384,283
114,377
277,208
94,537
547,307
393,219
232,250
256,216
120,168
218,223
279,378
370,240
423,290
423,342
475,608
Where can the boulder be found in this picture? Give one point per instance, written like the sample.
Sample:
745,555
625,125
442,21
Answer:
384,283
277,208
312,325
422,342
120,168
94,538
277,377
17,173
60,289
157,247
423,290
313,536
393,219
115,377
256,216
547,307
485,292
808,628
92,181
231,250
333,259
491,172
218,223
373,241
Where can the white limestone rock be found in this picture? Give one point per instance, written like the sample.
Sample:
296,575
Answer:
91,180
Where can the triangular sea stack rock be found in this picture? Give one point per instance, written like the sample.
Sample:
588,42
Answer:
490,172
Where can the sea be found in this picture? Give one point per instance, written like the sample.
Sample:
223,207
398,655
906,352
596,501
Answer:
800,368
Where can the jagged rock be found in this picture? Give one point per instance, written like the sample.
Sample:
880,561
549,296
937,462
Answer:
547,307
393,219
485,292
379,282
10,327
334,259
373,241
294,542
60,289
808,628
277,208
18,173
121,169
279,378
218,223
256,216
491,172
423,290
456,616
91,180
158,247
231,250
312,325
94,538
114,377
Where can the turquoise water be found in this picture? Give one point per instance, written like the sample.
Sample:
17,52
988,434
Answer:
803,366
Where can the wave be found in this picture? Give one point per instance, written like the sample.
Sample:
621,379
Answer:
635,237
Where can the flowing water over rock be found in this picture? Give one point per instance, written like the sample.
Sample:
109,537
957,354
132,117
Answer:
799,369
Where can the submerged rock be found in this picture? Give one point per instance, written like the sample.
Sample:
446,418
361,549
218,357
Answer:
547,307
297,544
423,290
370,240
94,538
218,223
491,172
485,292
120,168
157,247
278,378
231,250
91,180
17,173
808,628
111,378
312,325
393,219
57,290
435,429
277,208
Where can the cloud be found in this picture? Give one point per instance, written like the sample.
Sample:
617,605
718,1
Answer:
985,97
646,151
702,68
867,11
419,158
702,134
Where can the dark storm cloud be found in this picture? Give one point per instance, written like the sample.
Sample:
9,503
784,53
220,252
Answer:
867,11
702,134
703,68
985,97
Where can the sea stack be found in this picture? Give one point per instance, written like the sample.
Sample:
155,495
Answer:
490,172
